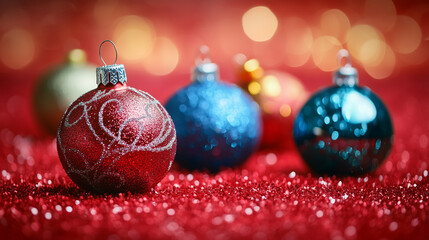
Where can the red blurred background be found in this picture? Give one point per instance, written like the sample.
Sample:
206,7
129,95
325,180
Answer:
157,42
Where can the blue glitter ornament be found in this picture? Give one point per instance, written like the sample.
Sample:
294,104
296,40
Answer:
344,129
217,124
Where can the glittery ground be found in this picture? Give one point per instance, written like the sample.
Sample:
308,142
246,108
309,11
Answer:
271,197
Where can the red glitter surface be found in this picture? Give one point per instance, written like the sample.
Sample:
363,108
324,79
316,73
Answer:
273,196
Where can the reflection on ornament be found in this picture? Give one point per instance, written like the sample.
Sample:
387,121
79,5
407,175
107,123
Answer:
344,129
218,125
116,138
279,95
59,87
357,108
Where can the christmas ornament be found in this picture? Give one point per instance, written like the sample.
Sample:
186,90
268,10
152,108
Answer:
58,88
218,125
280,96
344,129
116,138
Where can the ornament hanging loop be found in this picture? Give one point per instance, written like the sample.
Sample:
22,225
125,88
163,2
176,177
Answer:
110,74
346,75
203,55
343,58
116,52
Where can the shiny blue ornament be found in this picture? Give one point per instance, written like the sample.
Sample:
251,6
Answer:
217,124
344,129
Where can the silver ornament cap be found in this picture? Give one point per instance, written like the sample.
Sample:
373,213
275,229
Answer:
205,70
346,75
110,74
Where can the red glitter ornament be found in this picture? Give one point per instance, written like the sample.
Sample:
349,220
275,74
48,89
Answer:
116,138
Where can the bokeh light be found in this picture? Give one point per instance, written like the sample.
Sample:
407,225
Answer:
278,37
405,35
335,22
298,41
253,68
297,60
419,56
77,56
380,13
254,88
251,65
163,59
271,86
135,36
285,110
104,10
17,48
223,27
269,53
365,43
372,52
385,68
324,53
259,23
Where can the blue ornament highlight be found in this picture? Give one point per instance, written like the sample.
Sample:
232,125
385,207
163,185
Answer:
217,124
344,129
